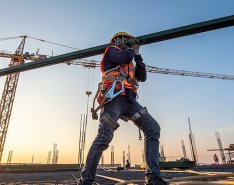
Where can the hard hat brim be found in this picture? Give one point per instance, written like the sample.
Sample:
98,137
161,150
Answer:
124,34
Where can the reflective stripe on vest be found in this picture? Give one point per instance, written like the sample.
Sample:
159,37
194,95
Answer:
126,70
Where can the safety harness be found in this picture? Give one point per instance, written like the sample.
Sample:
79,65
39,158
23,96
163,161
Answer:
114,82
112,86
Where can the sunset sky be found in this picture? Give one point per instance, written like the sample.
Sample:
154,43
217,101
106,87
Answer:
49,101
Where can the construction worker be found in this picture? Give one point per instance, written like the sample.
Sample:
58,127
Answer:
119,72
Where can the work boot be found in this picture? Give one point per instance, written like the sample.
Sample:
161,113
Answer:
157,181
80,182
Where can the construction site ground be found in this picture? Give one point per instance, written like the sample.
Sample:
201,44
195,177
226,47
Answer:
110,176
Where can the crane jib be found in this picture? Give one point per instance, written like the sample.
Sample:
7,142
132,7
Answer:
145,39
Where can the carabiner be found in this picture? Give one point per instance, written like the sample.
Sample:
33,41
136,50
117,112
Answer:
111,92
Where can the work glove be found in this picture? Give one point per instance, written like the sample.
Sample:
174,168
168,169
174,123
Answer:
135,45
132,43
121,42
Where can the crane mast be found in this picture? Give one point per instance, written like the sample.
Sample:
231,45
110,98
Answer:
8,94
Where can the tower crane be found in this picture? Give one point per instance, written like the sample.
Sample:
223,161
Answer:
10,86
153,69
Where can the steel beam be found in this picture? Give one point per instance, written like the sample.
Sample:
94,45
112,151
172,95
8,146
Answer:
145,39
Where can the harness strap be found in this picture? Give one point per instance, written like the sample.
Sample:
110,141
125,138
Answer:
129,79
115,69
107,96
109,120
138,114
93,110
122,74
110,93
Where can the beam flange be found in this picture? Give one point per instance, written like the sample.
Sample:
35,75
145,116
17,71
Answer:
145,39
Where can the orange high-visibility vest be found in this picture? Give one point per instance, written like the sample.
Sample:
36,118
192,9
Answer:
109,76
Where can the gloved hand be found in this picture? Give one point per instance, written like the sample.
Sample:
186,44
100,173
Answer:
120,42
135,45
132,43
